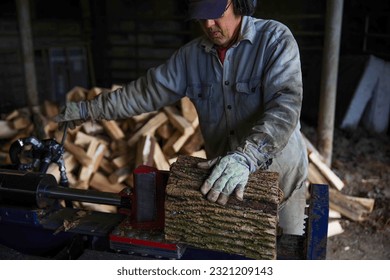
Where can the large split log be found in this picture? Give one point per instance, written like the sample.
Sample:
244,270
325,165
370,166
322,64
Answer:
246,227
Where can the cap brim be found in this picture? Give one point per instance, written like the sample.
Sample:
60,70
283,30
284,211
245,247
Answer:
206,9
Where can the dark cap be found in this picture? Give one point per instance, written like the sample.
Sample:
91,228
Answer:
206,9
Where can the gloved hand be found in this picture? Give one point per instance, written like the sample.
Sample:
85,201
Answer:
230,174
74,113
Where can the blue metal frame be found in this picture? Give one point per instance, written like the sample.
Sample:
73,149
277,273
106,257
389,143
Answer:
21,230
317,227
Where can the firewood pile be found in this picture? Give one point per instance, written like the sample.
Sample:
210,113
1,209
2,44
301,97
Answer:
340,205
102,155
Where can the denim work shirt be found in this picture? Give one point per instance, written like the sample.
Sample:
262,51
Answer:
251,103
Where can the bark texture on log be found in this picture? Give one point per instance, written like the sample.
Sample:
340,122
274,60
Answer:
246,227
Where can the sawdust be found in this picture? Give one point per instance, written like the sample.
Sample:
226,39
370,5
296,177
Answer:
362,160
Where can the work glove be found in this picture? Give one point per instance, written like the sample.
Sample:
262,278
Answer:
74,114
230,174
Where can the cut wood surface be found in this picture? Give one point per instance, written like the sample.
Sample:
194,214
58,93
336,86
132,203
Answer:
195,143
120,175
188,109
315,176
175,143
311,148
334,228
101,183
96,151
178,121
78,152
50,109
6,131
160,159
122,161
14,114
148,128
113,130
357,209
20,123
82,139
246,227
77,94
332,178
333,214
145,151
92,128
165,130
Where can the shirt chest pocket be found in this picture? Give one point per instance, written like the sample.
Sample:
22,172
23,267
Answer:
248,94
248,87
199,91
202,97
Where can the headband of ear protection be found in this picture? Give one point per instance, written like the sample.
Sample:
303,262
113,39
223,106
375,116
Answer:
244,7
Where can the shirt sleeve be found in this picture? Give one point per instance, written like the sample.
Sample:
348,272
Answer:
160,86
282,88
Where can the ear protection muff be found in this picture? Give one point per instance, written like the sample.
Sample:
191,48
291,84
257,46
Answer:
244,7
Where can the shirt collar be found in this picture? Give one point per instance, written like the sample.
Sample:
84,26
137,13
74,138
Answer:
247,32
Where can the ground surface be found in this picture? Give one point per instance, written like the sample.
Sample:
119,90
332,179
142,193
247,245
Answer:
362,160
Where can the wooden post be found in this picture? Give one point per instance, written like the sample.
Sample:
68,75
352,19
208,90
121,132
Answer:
27,50
87,28
23,8
329,79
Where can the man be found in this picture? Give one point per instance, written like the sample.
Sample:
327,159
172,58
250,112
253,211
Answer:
244,78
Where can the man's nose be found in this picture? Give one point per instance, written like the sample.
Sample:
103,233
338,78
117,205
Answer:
208,23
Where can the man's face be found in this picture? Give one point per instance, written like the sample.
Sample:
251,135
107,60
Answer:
222,31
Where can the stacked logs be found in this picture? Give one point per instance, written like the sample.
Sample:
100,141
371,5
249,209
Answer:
102,155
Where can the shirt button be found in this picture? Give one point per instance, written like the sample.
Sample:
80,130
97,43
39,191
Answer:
229,107
231,132
227,83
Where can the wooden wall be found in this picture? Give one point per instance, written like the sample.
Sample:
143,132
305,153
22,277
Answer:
104,42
